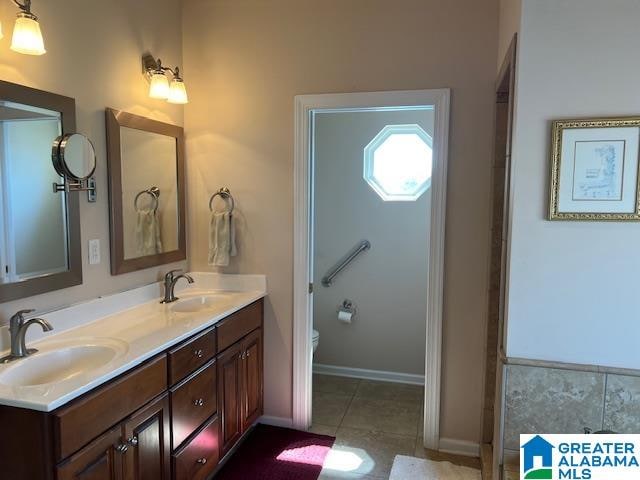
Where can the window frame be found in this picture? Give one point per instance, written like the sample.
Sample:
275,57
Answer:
369,156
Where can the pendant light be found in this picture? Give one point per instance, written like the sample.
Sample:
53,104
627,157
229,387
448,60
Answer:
27,36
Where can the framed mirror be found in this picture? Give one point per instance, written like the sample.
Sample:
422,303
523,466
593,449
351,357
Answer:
146,192
40,247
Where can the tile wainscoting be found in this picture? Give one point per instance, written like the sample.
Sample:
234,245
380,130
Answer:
546,397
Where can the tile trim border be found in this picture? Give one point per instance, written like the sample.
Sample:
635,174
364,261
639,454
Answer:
365,374
578,367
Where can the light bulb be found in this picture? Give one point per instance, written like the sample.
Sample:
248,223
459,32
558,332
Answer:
178,92
27,37
159,87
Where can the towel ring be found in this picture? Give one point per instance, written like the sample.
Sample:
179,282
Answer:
154,192
223,193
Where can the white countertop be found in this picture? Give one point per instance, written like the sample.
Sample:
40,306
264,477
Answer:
141,329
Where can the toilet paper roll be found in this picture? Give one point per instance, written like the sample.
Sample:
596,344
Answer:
344,316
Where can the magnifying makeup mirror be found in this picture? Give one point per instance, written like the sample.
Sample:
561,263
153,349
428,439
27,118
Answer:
74,158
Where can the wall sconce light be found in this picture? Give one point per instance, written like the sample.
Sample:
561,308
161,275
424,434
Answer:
27,37
159,86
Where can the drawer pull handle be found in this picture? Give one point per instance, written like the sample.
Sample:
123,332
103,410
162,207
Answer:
201,461
198,353
248,353
133,441
122,448
199,402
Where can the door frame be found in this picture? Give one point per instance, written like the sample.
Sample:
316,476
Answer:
305,106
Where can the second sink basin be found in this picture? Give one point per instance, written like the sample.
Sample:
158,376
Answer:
63,363
196,304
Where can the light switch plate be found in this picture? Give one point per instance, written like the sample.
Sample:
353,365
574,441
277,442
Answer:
94,252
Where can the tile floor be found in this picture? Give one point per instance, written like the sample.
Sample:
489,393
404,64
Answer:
372,422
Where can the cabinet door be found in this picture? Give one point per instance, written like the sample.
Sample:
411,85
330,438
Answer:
230,396
252,383
100,460
147,435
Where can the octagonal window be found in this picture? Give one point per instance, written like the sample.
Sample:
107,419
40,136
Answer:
398,162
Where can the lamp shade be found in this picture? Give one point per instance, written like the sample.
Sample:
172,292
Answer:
178,92
27,37
159,87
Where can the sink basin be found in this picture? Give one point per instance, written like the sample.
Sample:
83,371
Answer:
197,304
52,365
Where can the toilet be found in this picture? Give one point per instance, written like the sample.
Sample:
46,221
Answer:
315,337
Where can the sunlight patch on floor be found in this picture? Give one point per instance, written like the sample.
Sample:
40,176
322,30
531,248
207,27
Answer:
346,459
307,455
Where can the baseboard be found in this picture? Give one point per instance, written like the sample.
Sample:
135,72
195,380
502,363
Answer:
459,447
276,421
368,374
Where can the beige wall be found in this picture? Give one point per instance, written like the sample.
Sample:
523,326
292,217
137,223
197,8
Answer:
94,51
252,58
509,25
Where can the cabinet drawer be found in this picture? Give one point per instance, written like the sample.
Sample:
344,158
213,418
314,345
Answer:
198,458
191,355
192,402
77,424
236,326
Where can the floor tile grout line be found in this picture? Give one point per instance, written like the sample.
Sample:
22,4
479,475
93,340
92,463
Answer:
368,430
345,412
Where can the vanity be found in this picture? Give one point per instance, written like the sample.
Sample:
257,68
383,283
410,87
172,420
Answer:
126,386
174,415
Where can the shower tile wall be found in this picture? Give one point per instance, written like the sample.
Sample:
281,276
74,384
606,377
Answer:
540,399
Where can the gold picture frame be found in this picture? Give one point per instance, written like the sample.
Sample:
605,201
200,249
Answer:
586,164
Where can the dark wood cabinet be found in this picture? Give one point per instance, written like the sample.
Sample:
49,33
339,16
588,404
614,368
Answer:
93,413
171,418
147,437
136,449
102,459
252,384
240,388
230,396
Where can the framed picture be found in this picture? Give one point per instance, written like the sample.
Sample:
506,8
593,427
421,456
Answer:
594,169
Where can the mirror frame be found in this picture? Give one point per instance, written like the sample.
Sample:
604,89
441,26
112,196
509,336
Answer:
66,106
114,120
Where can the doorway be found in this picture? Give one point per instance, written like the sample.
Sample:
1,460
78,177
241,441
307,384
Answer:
387,189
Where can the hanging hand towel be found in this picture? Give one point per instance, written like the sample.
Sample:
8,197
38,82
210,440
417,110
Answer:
148,241
222,239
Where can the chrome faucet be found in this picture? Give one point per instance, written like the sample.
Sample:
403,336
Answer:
170,281
18,331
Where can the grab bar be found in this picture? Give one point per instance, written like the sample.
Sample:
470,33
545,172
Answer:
342,264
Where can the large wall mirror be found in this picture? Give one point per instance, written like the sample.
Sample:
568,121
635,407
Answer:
39,228
146,192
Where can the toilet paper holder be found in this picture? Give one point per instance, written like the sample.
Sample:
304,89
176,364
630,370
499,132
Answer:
347,306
